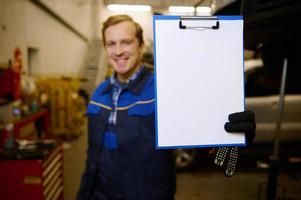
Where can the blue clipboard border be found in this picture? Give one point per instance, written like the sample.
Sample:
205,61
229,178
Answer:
175,17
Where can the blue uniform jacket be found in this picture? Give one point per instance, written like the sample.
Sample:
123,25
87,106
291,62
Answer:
147,173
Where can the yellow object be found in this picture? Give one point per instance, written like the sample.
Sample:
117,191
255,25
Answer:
67,108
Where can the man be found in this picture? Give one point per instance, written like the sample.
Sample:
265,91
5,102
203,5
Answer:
122,161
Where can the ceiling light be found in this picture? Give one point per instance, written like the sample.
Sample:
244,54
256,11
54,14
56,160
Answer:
181,9
203,10
133,8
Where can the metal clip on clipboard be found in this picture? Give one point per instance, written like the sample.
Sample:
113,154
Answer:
214,27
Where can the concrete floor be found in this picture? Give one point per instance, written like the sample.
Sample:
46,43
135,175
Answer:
204,183
74,163
244,185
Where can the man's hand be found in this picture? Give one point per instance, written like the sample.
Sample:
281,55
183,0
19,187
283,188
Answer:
238,122
242,122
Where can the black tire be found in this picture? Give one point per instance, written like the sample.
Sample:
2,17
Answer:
186,159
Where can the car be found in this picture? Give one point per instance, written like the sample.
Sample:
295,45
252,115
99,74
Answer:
262,88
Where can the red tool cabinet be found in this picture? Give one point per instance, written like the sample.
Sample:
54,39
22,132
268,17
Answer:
33,126
33,178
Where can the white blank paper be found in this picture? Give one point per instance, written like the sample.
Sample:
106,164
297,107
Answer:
199,82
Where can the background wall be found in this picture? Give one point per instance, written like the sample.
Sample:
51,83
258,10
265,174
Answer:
79,13
56,49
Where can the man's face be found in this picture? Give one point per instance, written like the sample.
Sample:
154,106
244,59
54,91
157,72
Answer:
123,49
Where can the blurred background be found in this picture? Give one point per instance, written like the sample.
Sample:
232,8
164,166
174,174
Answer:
52,57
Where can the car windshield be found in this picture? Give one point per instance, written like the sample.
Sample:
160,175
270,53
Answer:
263,81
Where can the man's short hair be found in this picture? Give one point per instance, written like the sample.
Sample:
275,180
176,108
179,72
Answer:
116,19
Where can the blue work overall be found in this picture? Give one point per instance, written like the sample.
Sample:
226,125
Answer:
135,169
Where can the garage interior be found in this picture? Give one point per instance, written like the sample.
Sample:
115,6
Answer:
52,58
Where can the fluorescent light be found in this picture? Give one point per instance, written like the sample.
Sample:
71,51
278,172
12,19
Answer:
203,9
189,9
133,8
181,9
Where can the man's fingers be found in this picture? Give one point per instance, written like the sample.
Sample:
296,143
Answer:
245,116
240,127
246,127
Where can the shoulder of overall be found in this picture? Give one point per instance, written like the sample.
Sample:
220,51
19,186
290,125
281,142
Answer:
146,96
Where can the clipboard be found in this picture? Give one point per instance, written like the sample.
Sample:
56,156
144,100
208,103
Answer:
199,80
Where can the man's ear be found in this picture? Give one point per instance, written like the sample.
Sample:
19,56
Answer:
142,48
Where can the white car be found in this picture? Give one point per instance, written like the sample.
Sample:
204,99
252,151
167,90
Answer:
262,97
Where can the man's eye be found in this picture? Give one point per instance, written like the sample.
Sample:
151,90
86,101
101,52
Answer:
110,44
127,42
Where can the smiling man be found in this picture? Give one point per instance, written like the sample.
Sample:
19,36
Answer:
122,160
